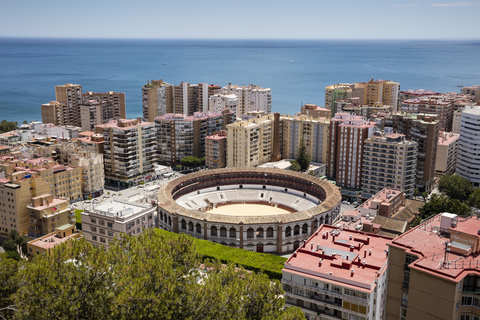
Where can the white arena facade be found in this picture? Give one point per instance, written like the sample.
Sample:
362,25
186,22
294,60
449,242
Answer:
257,209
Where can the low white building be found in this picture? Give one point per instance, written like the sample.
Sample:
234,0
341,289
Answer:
101,223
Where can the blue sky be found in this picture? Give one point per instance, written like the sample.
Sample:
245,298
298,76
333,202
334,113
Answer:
260,19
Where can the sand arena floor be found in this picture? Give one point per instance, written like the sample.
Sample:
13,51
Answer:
247,209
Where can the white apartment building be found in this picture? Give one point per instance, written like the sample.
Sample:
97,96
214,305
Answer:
389,161
250,98
101,223
338,274
468,159
218,102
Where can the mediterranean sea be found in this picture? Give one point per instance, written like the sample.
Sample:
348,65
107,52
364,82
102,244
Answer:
297,71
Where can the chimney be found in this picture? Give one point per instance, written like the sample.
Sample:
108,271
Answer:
370,252
352,272
365,253
320,262
368,240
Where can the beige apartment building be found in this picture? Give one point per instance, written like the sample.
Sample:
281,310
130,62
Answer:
423,129
157,97
180,136
25,184
52,112
314,111
47,213
446,160
389,161
313,131
44,245
101,223
114,101
73,154
434,271
253,142
216,150
129,151
70,97
367,93
432,105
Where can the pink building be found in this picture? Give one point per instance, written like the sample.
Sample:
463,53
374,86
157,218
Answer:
338,274
346,141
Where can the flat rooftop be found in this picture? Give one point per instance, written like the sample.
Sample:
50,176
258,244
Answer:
117,209
332,253
427,241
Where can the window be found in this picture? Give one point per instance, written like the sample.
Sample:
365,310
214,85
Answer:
92,220
403,313
94,229
94,238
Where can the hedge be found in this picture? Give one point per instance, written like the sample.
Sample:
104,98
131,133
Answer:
269,264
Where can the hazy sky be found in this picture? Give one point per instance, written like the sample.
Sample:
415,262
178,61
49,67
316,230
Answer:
301,19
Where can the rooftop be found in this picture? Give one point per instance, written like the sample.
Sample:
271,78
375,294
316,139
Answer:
346,257
116,209
447,138
428,242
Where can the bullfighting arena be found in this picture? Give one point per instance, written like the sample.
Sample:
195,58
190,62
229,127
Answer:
257,209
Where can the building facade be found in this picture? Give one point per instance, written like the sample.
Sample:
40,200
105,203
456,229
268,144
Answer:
114,101
346,147
157,97
180,136
129,151
468,159
315,111
250,98
389,161
338,274
312,130
434,271
446,160
423,129
101,223
216,150
252,142
70,97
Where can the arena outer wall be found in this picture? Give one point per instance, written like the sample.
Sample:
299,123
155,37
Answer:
271,233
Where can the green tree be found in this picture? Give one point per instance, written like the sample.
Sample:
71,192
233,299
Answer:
303,157
439,204
455,187
151,276
6,126
474,199
295,166
192,162
15,243
416,193
8,285
25,122
425,195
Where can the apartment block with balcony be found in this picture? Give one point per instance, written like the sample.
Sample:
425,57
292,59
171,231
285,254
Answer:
216,150
129,151
438,105
434,271
252,142
389,161
313,131
423,129
180,136
446,159
338,274
315,111
250,98
468,159
47,214
52,112
101,223
345,148
70,97
114,103
157,98
218,102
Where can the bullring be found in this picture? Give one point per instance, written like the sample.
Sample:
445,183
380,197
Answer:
257,209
